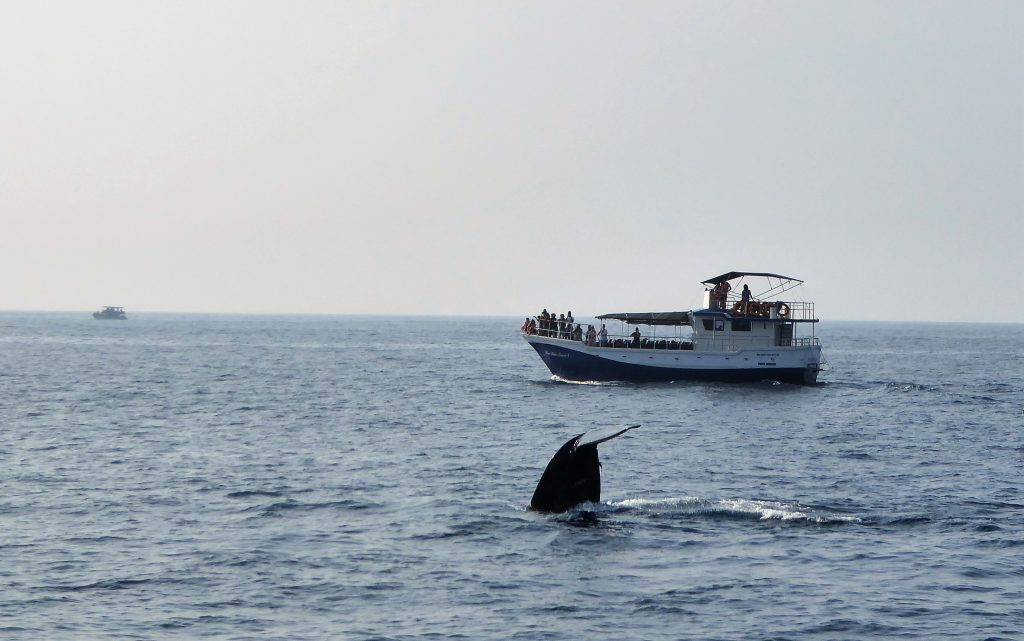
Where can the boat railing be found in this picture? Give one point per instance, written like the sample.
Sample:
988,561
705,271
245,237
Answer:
627,342
788,310
623,341
801,310
717,342
730,343
802,342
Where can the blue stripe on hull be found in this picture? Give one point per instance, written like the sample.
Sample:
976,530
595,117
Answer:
576,366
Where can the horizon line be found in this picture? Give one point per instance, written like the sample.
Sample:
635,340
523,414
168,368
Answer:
87,313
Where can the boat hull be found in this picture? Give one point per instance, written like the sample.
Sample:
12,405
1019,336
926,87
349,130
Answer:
575,361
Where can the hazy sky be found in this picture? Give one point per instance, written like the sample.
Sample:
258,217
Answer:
499,157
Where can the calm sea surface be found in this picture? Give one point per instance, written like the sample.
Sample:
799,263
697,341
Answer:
244,477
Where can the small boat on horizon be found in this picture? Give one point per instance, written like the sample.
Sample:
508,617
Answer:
734,337
110,313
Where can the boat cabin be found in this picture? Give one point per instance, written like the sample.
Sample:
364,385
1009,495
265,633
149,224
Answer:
715,331
730,321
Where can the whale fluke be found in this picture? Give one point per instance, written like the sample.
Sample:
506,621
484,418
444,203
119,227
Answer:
573,474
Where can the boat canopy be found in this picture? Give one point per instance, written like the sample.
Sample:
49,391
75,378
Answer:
651,318
731,275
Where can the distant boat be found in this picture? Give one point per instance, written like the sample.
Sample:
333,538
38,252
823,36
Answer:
110,313
733,338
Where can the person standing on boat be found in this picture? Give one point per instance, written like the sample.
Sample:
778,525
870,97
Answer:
577,333
718,295
602,336
569,320
591,335
726,288
745,296
544,318
636,338
561,326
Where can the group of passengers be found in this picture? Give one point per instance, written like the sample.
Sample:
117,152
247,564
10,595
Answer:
720,295
557,327
546,324
597,338
565,327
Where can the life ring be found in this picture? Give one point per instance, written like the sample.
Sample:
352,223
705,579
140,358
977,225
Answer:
783,310
739,308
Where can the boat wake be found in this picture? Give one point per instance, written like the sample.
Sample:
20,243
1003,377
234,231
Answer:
897,386
558,379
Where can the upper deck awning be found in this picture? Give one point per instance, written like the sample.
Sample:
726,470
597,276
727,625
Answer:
651,318
733,275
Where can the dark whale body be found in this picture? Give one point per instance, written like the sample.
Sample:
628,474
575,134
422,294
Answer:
573,475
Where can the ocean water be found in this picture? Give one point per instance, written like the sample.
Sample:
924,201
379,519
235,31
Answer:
234,477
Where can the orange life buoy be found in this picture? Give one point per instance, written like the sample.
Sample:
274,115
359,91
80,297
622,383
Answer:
738,308
783,310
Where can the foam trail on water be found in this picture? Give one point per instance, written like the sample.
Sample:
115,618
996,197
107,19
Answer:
735,508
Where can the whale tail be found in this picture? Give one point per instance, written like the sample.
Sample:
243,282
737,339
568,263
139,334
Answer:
573,474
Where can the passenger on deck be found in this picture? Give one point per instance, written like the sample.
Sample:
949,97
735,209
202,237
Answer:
533,326
726,288
526,326
577,333
544,322
591,335
570,320
560,326
745,296
602,336
636,338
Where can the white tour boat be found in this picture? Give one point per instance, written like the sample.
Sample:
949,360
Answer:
110,313
734,337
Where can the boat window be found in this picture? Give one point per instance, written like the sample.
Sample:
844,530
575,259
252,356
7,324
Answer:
708,324
741,326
